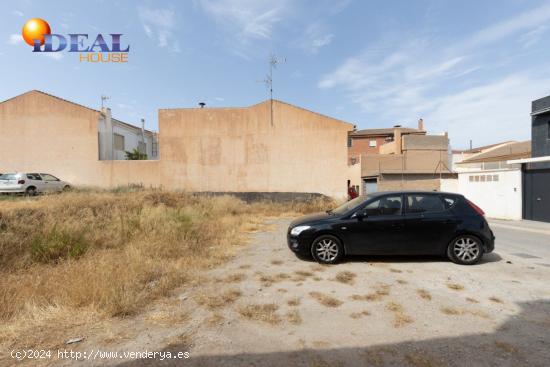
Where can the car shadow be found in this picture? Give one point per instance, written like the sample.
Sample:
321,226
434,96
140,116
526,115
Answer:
487,258
522,340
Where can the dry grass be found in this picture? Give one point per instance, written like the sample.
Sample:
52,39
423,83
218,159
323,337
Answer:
424,294
234,278
402,281
276,262
508,348
358,315
261,312
325,299
421,360
293,316
268,280
472,300
294,301
455,286
216,301
400,319
86,256
451,311
215,319
380,292
345,277
495,300
395,270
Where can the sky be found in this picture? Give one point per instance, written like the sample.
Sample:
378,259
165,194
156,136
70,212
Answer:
470,68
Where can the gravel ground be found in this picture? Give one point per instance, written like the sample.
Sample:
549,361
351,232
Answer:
266,307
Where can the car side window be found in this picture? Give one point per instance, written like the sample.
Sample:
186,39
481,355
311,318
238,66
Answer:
449,201
48,177
34,176
387,205
421,203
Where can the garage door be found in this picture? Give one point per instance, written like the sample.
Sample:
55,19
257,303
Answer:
536,197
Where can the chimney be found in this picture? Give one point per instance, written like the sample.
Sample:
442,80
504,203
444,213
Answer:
421,124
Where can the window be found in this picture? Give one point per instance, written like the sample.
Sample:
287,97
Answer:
449,201
422,203
47,177
350,141
495,177
372,143
482,178
489,178
118,142
388,205
142,147
34,176
471,178
476,178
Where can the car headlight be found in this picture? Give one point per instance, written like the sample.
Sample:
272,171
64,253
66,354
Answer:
297,230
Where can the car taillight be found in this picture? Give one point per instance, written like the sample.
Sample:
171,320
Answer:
21,182
476,208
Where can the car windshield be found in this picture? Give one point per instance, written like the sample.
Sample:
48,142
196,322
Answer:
349,205
8,176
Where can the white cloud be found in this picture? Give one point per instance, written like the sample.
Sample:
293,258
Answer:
251,19
19,13
527,20
533,36
159,24
315,37
15,39
491,112
444,84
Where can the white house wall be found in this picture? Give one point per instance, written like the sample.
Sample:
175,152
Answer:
501,199
131,139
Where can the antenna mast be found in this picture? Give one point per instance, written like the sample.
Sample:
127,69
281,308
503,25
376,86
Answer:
273,62
103,99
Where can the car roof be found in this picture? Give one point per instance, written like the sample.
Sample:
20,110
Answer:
380,193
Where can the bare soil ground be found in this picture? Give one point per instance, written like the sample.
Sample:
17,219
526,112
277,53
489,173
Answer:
266,307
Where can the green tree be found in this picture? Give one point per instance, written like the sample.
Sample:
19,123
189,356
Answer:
136,155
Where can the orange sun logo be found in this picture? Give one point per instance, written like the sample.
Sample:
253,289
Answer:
35,29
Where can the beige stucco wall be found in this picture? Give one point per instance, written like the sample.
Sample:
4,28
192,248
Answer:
227,150
238,149
41,133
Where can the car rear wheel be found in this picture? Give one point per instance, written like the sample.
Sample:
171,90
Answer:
31,191
66,188
465,250
327,249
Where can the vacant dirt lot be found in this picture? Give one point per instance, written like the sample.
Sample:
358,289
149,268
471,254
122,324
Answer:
268,308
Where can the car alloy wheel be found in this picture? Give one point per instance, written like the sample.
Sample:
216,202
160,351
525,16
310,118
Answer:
326,250
465,250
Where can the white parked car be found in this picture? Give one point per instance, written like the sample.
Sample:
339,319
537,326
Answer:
31,183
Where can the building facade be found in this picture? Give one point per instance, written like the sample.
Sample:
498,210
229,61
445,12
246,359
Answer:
400,158
268,147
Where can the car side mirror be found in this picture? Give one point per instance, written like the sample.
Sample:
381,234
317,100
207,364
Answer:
360,215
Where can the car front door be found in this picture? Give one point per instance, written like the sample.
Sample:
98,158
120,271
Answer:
50,183
429,224
377,228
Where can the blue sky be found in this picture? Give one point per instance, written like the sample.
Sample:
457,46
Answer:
467,67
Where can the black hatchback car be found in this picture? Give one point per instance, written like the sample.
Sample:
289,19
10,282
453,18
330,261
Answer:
395,223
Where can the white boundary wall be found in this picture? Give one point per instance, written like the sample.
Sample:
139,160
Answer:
499,199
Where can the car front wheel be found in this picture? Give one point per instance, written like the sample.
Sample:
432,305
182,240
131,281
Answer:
465,250
327,249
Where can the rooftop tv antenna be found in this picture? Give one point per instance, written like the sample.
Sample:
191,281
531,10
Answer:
103,99
273,62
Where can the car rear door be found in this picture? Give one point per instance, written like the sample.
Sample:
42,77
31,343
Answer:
429,224
381,231
34,179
